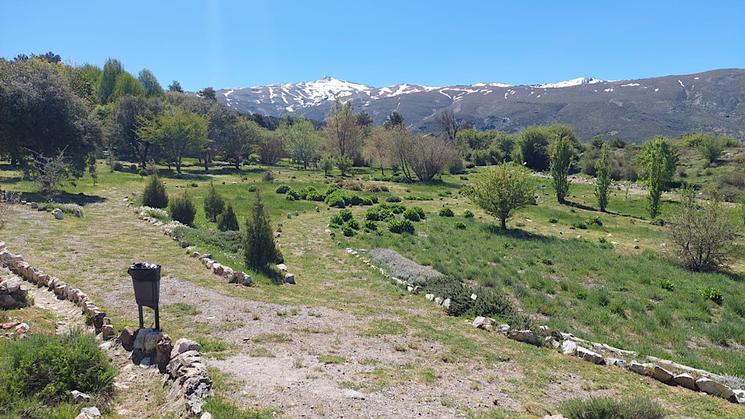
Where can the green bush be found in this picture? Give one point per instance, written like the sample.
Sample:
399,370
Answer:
214,205
400,226
347,230
155,195
713,294
293,195
182,209
353,224
446,212
259,246
468,214
393,198
282,189
48,367
336,199
378,213
611,407
460,225
227,221
580,225
420,212
411,214
370,225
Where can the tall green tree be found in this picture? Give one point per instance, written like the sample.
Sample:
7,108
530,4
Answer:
561,161
149,83
603,176
658,161
178,132
343,131
128,114
502,190
126,85
214,205
111,71
260,249
301,141
175,86
208,93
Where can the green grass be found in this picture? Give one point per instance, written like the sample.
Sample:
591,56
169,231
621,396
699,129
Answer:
331,359
611,407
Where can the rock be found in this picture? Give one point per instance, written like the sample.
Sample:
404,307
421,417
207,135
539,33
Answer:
481,322
107,331
662,375
620,363
206,415
98,319
354,394
89,413
590,356
289,278
241,278
473,297
641,369
218,269
282,267
78,396
22,328
59,215
228,272
9,325
552,342
446,303
526,336
714,388
430,297
568,347
163,350
146,340
685,380
127,338
184,345
738,396
503,328
438,300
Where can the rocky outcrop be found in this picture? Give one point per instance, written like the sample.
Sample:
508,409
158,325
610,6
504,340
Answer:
12,295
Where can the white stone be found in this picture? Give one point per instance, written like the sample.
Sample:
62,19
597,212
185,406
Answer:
354,394
430,297
590,356
446,303
714,388
568,347
89,413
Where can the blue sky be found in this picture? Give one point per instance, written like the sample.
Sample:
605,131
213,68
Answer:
243,43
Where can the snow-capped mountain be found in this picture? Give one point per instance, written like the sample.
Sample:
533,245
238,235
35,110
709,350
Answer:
634,109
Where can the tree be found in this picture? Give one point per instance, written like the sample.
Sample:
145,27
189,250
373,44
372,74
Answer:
377,149
701,233
603,176
711,147
175,86
501,190
182,209
260,249
111,71
126,85
214,205
658,161
428,155
237,143
150,83
561,161
128,114
155,195
532,148
344,164
207,93
394,119
50,172
270,148
327,164
342,130
227,221
177,132
449,125
41,117
300,141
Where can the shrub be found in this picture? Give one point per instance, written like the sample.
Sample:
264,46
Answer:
553,220
282,189
468,214
378,213
293,195
118,166
460,225
667,285
260,249
347,230
182,209
327,164
713,294
400,226
580,225
370,225
154,195
344,164
501,190
411,214
227,221
336,199
267,176
611,407
420,212
701,234
49,367
352,223
214,205
393,198
446,212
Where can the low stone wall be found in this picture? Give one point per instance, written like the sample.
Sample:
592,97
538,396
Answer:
665,371
181,361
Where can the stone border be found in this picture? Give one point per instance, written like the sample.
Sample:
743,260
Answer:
233,277
665,371
182,361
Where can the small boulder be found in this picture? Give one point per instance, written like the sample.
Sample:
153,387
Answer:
590,356
289,278
568,347
58,214
714,388
738,396
620,363
354,394
438,300
107,331
685,380
503,328
662,375
481,322
89,413
526,336
430,297
641,369
446,303
282,267
183,345
78,396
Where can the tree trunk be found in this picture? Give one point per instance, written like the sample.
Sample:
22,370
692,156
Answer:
503,223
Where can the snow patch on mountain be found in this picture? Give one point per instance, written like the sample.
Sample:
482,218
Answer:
579,81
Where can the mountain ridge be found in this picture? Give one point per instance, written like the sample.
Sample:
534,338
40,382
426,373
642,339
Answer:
634,109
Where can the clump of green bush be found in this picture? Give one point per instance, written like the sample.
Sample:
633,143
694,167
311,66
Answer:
468,214
446,212
48,367
713,294
393,198
227,221
282,189
460,225
154,195
182,209
400,226
412,214
612,407
339,198
341,217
